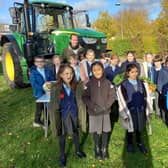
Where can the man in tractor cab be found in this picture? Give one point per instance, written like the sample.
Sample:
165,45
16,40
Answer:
73,49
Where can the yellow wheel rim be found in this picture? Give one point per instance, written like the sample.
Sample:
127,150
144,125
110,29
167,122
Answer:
9,65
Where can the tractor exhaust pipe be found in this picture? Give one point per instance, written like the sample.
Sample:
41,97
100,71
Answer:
28,46
27,18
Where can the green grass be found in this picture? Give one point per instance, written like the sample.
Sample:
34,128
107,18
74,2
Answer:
22,146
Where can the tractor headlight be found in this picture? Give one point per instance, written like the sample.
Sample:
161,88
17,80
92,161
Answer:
89,40
104,40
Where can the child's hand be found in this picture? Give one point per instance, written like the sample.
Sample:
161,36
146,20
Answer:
47,86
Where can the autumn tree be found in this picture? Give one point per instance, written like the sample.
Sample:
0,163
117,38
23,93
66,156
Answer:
161,28
138,29
132,26
105,23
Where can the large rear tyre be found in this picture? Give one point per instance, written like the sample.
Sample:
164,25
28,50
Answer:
12,67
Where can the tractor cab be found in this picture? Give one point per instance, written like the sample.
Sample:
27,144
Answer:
43,27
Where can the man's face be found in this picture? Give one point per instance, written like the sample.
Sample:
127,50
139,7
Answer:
74,41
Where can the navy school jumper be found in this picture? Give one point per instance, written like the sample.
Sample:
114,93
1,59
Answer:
136,102
111,74
68,104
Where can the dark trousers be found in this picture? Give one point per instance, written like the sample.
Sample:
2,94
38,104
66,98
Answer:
158,104
101,140
38,113
62,143
166,117
130,137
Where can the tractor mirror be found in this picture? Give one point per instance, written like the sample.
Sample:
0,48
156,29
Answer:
14,13
88,24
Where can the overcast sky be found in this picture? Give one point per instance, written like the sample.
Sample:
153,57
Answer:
94,7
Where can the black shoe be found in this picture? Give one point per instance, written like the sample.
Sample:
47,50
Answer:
98,153
130,148
38,124
142,148
105,154
81,154
62,161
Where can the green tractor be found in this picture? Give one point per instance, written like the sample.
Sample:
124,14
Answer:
43,28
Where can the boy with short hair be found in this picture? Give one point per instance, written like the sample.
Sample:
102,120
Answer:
55,65
160,78
104,60
73,61
113,69
39,75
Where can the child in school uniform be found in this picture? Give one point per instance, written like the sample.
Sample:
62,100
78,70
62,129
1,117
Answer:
164,94
160,78
99,96
39,76
104,60
56,62
64,111
73,61
113,69
147,67
85,66
165,103
134,107
130,60
147,71
85,75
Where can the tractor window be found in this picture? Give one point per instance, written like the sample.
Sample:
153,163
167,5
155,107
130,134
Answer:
52,18
60,21
22,24
79,20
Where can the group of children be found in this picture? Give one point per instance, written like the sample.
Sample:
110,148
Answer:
99,93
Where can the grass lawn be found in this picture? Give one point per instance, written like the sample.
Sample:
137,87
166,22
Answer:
22,146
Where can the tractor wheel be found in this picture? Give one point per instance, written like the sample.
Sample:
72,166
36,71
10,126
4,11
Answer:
11,67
